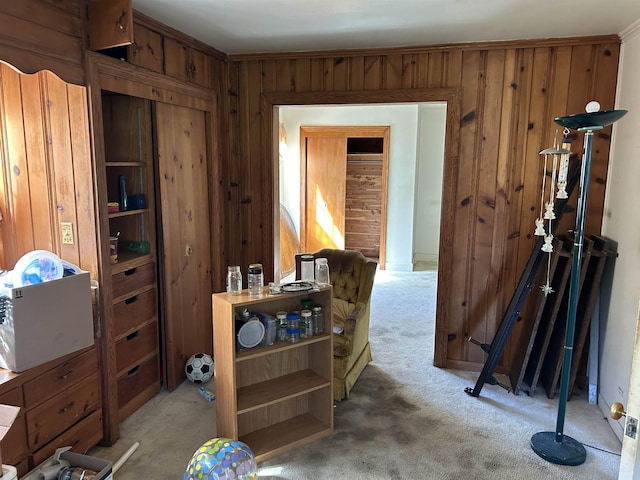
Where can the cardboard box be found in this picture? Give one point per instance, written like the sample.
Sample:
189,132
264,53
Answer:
45,321
56,462
8,415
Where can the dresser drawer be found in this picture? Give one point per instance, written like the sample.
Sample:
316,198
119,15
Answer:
57,414
137,310
82,436
14,444
129,281
137,386
133,348
58,379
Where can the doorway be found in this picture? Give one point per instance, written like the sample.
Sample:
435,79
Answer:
343,188
415,178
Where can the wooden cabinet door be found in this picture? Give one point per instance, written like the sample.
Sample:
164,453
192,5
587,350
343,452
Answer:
185,236
324,193
186,63
146,50
110,23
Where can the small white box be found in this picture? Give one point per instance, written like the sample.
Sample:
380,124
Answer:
45,321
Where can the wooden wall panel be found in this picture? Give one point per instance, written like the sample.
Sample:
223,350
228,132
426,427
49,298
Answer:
41,34
509,94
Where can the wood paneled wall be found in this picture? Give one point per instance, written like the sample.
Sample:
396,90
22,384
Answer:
44,35
509,94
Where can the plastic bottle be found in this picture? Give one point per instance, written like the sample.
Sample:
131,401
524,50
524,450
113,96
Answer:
281,317
255,280
318,320
293,327
322,272
234,280
306,324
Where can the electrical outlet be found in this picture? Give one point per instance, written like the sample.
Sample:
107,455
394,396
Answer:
67,232
631,427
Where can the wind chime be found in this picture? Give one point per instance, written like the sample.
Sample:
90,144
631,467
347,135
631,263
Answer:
559,168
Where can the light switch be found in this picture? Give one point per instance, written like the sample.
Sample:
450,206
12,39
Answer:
67,232
631,428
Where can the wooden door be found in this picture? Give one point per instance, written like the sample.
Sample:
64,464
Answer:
323,186
185,255
343,195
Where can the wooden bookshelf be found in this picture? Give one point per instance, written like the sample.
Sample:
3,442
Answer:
273,398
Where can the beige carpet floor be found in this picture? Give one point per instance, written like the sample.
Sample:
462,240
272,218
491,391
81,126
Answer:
405,419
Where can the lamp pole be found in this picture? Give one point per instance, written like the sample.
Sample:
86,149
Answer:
556,447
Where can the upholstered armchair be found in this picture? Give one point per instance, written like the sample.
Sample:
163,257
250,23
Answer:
352,276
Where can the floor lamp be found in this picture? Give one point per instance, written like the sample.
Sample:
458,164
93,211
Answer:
556,447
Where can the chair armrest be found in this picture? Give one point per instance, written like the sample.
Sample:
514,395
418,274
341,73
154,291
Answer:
344,342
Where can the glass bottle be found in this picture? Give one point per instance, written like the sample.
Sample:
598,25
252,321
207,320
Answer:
318,320
234,280
322,272
293,327
255,280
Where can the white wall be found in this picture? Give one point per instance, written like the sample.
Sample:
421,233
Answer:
621,223
403,151
432,123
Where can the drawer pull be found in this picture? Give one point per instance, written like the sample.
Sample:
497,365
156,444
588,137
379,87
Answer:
133,335
131,271
67,408
133,371
129,301
64,376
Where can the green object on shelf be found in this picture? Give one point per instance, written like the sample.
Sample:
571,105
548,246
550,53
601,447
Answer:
141,247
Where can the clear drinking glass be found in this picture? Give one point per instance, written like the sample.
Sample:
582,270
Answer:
234,280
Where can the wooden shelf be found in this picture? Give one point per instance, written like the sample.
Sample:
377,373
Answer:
281,437
252,353
282,388
125,163
128,213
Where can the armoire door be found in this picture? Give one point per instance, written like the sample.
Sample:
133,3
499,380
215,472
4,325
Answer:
323,193
184,236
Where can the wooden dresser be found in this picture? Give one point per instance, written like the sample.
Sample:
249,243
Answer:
60,406
135,330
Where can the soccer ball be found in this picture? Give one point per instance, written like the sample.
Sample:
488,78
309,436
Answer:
199,368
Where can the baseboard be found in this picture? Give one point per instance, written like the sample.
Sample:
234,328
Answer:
398,267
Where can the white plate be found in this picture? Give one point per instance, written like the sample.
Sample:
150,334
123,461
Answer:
36,267
251,333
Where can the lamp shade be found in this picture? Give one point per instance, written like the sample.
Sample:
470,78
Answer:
590,120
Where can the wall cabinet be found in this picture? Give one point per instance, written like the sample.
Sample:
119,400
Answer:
274,398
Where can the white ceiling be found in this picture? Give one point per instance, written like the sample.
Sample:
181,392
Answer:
260,26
